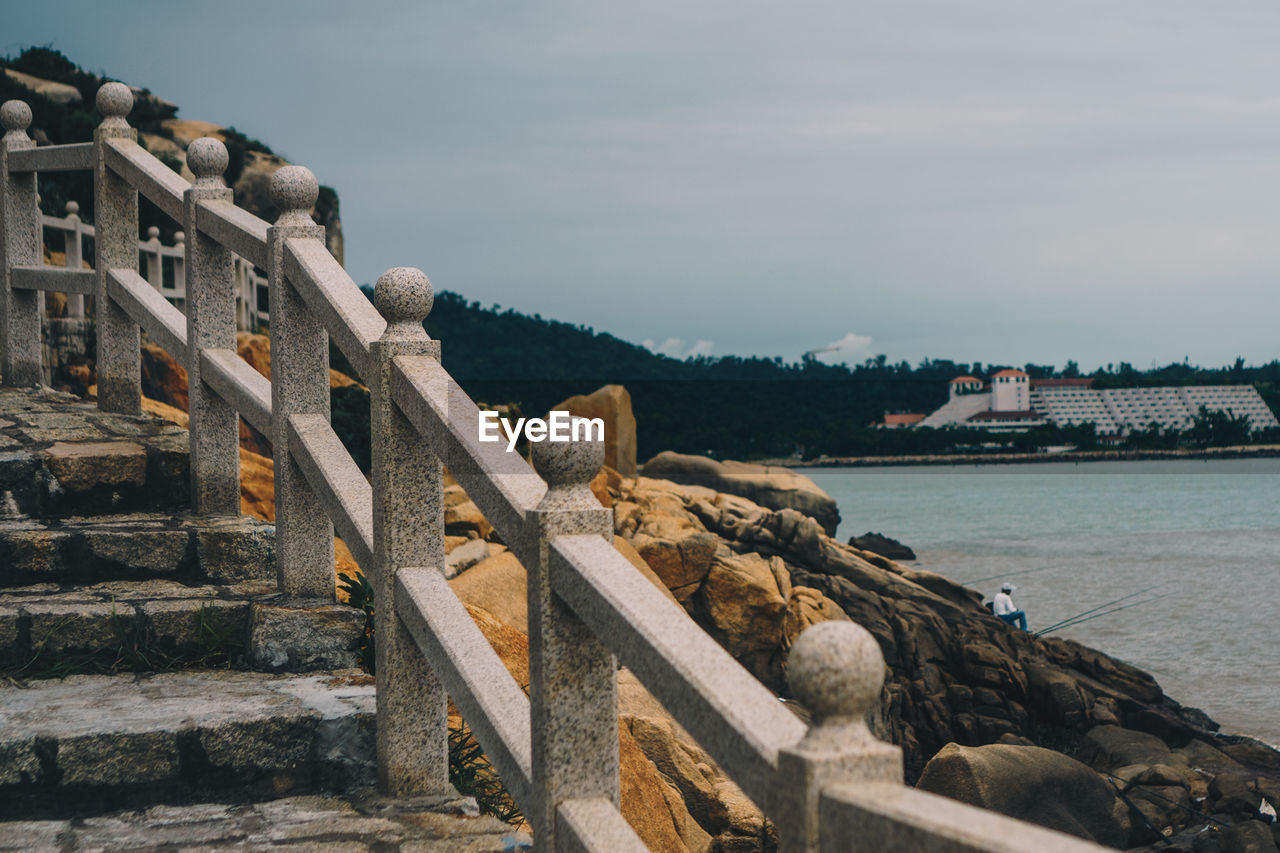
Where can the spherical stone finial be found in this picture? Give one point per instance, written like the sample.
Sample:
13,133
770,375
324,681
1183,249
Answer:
73,207
207,159
114,102
567,464
836,670
294,191
15,116
179,237
153,232
404,296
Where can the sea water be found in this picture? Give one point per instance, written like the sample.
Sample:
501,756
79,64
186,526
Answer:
1204,536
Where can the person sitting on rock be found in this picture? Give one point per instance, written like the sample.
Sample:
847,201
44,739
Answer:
1004,607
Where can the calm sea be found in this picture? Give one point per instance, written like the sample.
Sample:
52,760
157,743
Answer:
1205,536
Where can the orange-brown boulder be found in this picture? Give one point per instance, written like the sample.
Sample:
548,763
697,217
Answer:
256,349
163,378
808,606
497,584
654,812
612,404
257,486
172,414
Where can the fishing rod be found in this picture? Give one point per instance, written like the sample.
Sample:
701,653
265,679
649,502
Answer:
1104,613
1115,610
1094,610
1005,575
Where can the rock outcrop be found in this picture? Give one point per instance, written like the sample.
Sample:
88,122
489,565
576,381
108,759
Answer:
1032,784
878,543
612,404
769,486
754,577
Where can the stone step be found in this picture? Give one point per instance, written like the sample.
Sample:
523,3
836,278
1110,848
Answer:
47,631
140,626
361,823
59,455
135,546
92,743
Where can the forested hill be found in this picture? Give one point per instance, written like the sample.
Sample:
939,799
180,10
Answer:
731,406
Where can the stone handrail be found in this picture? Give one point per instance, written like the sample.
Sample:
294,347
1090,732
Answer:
828,786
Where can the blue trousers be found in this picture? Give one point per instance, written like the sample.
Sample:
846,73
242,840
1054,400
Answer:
1016,617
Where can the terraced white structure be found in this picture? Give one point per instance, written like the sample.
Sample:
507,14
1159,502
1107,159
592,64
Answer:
1112,411
1119,410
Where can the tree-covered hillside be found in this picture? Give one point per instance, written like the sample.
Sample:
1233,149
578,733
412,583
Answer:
731,406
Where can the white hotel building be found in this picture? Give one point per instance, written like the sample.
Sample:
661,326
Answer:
1015,402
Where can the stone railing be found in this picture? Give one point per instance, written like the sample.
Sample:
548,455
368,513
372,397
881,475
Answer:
164,268
830,786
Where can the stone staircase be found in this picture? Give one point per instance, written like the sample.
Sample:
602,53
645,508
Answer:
148,664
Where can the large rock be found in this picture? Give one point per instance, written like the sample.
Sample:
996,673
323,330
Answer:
1111,747
776,488
650,803
678,551
745,603
878,543
1032,784
612,404
499,585
256,349
163,378
257,486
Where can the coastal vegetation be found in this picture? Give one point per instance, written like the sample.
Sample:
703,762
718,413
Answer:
756,407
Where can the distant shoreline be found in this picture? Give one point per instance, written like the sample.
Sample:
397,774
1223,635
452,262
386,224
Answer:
1241,452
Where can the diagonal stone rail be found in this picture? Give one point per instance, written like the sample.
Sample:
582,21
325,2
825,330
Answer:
828,787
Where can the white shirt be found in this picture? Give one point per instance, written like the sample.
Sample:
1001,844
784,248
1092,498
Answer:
1003,605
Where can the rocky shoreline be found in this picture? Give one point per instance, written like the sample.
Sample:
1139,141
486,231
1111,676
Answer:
1074,456
1044,729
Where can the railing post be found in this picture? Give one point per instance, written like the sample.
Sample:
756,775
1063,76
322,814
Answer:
835,670
180,268
73,251
573,691
299,385
20,241
155,266
408,530
116,236
211,324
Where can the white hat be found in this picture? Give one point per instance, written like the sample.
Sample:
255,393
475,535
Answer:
1008,587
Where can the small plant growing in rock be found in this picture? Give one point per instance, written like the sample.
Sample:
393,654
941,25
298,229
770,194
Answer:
359,594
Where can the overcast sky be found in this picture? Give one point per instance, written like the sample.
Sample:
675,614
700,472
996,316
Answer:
1002,181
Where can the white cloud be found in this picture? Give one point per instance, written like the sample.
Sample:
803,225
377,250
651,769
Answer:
702,347
674,348
850,349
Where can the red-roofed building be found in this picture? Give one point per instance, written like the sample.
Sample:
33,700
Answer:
898,420
1015,421
1010,391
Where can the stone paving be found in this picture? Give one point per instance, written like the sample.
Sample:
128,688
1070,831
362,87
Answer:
59,453
88,743
354,824
97,550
